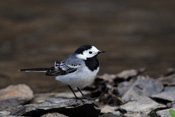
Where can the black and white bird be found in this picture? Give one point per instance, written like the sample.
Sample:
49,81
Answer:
77,70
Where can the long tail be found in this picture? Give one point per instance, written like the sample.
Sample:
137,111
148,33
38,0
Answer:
35,70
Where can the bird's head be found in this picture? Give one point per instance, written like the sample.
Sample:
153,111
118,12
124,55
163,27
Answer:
87,51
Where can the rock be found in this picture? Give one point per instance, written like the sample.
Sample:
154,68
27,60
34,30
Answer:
123,87
130,73
110,97
170,71
164,113
144,106
110,109
4,113
68,107
173,104
142,87
14,95
168,94
20,91
168,80
7,114
10,104
134,115
122,75
169,89
54,115
118,114
108,77
69,94
41,97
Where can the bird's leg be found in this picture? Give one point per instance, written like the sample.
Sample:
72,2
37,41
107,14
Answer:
74,94
72,91
81,92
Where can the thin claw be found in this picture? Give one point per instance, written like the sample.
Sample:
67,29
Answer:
80,99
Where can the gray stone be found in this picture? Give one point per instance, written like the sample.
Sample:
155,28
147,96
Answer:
164,113
173,104
170,89
41,97
68,107
118,114
54,115
144,106
13,96
168,94
69,94
167,80
7,114
128,73
142,87
122,75
108,77
123,88
135,115
4,113
110,109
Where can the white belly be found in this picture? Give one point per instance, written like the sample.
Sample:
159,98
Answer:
79,78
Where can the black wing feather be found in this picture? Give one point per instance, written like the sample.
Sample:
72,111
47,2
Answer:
60,69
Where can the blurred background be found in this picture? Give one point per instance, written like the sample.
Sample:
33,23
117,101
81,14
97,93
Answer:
35,33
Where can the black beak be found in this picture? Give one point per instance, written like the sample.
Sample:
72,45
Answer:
101,51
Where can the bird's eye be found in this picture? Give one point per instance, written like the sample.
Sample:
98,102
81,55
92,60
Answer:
90,52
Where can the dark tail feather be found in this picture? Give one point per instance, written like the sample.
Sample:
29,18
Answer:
35,70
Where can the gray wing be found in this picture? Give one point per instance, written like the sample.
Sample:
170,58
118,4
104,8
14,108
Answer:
69,65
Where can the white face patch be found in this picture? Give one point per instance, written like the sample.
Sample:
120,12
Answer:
88,53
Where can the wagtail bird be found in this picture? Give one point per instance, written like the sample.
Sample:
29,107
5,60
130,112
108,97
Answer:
77,70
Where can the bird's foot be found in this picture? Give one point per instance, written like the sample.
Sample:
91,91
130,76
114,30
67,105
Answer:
81,99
